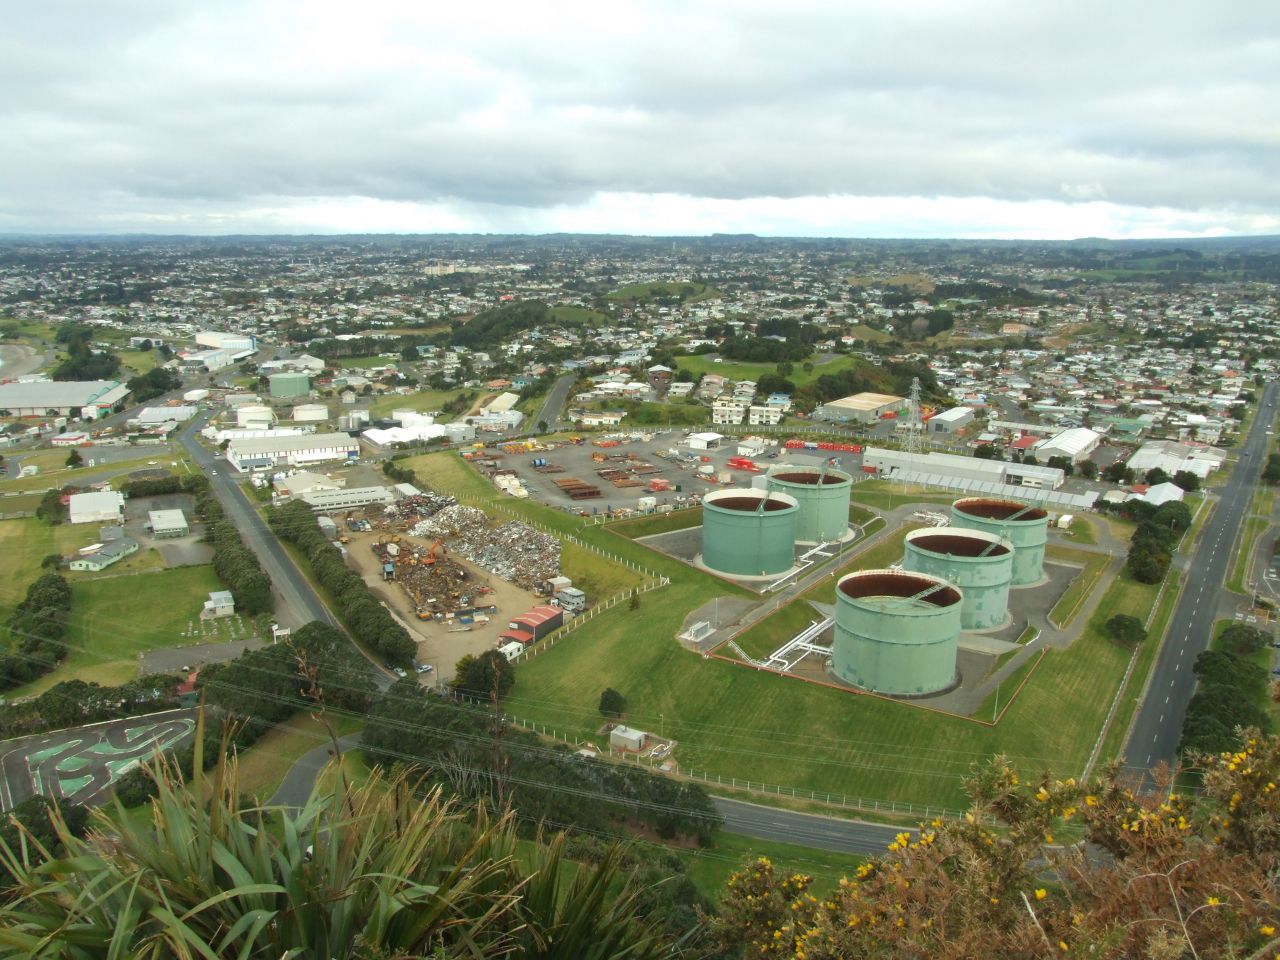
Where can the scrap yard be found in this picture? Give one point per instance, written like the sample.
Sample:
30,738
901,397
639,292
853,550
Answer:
450,575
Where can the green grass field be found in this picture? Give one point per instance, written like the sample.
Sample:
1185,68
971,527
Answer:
887,495
656,523
423,401
1072,599
699,364
579,316
693,292
139,361
113,619
263,766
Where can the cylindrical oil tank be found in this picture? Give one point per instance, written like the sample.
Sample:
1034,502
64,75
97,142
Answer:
748,533
896,632
823,496
1023,525
978,562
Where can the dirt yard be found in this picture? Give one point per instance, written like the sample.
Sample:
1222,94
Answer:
436,645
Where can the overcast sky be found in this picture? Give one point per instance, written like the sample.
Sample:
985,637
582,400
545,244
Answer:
902,118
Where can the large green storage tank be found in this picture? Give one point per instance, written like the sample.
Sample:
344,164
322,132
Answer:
896,632
1023,525
749,533
978,562
823,496
286,385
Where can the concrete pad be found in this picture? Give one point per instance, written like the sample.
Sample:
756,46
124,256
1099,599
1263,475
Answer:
978,643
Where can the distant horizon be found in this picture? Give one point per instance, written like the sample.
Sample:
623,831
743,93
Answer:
891,238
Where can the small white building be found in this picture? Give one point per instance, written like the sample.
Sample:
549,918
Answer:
219,604
253,416
106,506
167,524
705,441
626,738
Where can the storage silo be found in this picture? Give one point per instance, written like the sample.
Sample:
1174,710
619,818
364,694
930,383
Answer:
978,562
749,533
896,632
823,496
1023,525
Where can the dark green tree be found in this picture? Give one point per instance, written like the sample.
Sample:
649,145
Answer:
612,703
1126,630
489,676
74,459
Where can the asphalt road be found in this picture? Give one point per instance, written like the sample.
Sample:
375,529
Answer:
805,829
553,405
300,601
745,819
1158,725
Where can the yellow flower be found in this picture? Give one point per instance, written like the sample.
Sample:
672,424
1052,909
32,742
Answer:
1042,795
1213,901
1062,945
1041,893
1267,930
1048,838
1090,801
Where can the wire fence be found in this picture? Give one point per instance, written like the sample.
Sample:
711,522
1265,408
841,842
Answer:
758,787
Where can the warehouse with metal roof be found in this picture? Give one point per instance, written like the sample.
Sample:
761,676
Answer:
75,398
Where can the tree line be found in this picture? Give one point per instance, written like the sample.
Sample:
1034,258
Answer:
235,564
370,622
37,631
465,747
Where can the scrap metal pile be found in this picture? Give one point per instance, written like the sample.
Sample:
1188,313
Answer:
513,551
438,587
419,505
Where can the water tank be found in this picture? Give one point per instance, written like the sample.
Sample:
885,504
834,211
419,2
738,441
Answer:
978,562
1023,525
748,533
823,496
896,632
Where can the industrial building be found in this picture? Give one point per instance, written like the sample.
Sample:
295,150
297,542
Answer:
978,562
967,468
704,441
87,399
1023,525
253,452
1075,444
155,416
896,633
859,408
167,524
749,533
346,499
106,506
104,555
286,386
532,626
1172,457
951,421
823,498
219,340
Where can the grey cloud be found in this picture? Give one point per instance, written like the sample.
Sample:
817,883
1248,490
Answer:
157,104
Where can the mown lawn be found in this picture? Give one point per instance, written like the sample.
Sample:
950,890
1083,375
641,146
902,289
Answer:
423,401
113,619
887,495
693,291
699,364
1072,599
